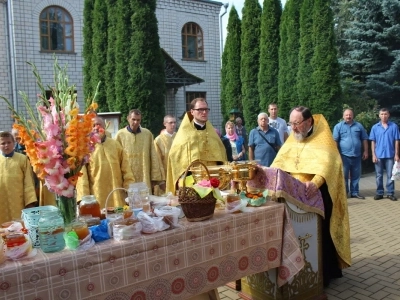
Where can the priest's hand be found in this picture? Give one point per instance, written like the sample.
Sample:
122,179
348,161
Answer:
311,189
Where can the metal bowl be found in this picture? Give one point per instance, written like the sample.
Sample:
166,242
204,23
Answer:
243,170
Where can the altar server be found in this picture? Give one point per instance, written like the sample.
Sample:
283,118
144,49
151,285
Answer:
16,180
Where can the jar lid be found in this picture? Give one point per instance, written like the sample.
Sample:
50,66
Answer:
88,198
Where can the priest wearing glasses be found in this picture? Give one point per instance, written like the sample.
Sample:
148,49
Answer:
196,139
310,155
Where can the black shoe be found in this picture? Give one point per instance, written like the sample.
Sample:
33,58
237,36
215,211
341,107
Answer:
357,196
378,197
391,197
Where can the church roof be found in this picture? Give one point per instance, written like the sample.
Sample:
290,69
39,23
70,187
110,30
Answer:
175,75
210,1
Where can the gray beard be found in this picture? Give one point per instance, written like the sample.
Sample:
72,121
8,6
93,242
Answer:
298,136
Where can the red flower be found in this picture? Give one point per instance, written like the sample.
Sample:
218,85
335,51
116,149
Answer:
214,182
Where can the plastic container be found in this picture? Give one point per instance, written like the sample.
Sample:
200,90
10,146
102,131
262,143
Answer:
89,206
51,230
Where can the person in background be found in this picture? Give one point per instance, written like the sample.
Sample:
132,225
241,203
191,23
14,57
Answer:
264,142
227,145
236,142
16,180
384,138
277,122
163,142
19,148
196,139
108,168
311,156
241,130
138,144
352,141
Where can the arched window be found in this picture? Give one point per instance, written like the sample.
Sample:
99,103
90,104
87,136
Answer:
192,42
56,30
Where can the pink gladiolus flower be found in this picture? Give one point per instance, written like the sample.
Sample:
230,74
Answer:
204,183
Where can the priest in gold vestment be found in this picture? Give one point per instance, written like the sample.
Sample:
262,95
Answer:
163,142
108,168
16,180
310,154
196,139
138,144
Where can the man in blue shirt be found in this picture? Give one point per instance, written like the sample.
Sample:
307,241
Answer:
384,138
351,138
264,142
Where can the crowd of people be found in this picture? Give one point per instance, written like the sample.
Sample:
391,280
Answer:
325,162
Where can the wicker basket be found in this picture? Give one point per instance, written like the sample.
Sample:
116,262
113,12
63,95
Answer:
196,208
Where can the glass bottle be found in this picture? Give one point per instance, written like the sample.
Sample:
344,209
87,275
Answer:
134,201
144,197
51,230
89,206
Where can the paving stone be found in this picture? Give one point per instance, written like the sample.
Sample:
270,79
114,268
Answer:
374,288
379,295
348,294
361,297
231,294
392,291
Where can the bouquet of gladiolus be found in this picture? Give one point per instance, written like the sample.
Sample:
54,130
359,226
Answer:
58,140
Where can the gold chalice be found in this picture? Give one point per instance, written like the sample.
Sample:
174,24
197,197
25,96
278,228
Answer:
221,172
243,171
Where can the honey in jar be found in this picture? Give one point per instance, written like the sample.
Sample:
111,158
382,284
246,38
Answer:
89,206
15,239
81,229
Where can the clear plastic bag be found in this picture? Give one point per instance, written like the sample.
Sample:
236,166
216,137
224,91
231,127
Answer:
126,229
170,215
396,171
22,251
151,225
238,206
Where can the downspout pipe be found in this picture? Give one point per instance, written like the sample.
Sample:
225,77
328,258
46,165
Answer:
11,43
221,32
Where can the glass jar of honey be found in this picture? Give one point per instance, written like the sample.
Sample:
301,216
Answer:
15,239
51,230
81,229
89,206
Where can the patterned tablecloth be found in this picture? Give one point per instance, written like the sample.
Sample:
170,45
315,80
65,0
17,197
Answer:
174,264
282,185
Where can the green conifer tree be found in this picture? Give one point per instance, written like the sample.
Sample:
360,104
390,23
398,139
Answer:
372,57
269,53
146,82
326,85
99,57
87,51
111,53
304,81
251,21
231,86
122,54
289,57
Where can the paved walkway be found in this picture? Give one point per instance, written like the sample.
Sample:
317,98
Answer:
375,250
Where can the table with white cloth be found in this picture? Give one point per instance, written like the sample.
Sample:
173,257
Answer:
174,264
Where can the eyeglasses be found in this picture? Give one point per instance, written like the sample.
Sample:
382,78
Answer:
294,124
201,109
